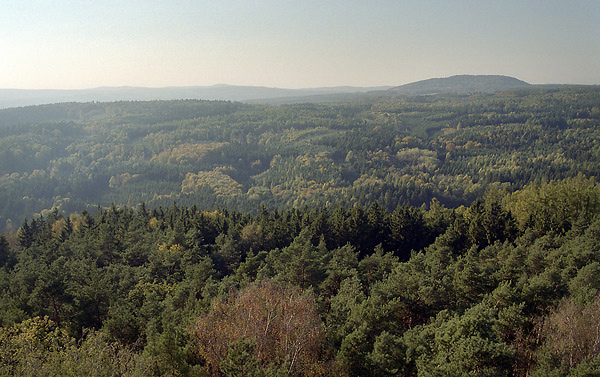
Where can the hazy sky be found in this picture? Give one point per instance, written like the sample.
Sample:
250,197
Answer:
89,43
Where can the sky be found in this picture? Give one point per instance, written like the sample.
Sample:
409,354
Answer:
77,44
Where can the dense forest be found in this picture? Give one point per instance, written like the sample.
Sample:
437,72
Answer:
442,235
393,150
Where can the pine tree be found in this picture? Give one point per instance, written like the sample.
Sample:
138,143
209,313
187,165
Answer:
25,235
5,253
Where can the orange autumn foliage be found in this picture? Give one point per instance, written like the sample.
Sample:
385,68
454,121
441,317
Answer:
279,319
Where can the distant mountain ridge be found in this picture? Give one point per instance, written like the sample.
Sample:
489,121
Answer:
23,97
462,84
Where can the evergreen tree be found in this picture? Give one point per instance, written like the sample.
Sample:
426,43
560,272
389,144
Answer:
5,252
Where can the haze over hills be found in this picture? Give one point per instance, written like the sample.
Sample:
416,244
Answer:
23,97
461,84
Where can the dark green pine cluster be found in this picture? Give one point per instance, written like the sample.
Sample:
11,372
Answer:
505,286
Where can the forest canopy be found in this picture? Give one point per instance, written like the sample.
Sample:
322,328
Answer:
387,236
394,150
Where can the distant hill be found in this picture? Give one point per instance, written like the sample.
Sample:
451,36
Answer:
462,84
19,97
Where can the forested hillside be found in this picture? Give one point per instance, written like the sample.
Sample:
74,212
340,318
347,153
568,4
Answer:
393,150
462,84
388,236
